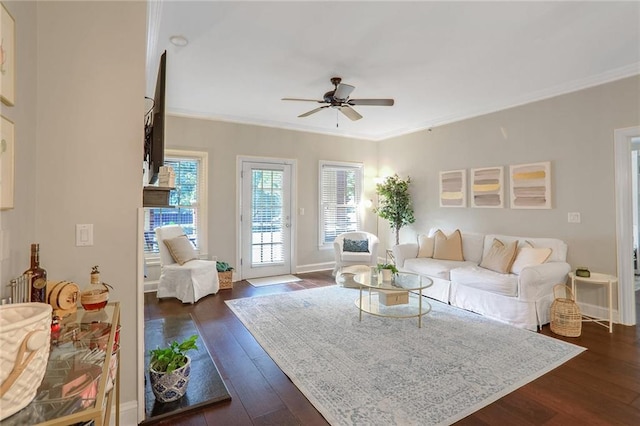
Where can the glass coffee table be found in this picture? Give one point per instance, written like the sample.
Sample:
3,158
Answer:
401,297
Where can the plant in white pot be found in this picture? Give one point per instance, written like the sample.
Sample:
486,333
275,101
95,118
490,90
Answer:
170,369
388,270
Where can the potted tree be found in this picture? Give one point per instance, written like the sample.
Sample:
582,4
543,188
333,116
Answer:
395,203
170,369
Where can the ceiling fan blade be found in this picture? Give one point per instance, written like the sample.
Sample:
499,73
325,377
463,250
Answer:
313,111
351,113
378,102
304,100
343,91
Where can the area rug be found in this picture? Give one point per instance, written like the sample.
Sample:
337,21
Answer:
278,279
205,386
387,371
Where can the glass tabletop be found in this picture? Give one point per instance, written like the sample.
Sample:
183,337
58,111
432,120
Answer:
75,380
400,281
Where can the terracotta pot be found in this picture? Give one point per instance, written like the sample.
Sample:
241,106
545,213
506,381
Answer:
170,387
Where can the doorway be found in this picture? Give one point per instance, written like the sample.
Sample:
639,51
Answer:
624,222
266,220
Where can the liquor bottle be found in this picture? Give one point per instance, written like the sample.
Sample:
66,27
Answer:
38,281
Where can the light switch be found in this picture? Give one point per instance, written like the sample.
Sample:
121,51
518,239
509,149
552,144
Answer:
573,217
84,235
301,211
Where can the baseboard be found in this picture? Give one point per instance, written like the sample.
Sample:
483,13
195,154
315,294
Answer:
128,414
150,286
598,311
314,267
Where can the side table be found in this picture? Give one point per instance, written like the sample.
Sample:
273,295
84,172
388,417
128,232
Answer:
597,279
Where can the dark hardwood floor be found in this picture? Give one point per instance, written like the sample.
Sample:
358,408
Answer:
600,386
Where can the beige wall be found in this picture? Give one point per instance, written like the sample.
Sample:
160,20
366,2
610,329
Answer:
226,141
573,131
79,112
18,225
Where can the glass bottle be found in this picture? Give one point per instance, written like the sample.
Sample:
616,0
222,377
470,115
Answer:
96,295
38,277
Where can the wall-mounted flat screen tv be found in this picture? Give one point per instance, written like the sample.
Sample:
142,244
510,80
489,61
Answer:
154,126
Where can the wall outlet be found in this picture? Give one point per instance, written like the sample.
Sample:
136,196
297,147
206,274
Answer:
573,217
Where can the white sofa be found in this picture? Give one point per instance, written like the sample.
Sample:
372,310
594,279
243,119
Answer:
522,300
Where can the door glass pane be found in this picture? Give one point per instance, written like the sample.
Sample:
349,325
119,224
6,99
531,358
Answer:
266,217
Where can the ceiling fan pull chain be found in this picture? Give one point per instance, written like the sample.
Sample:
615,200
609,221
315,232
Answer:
337,118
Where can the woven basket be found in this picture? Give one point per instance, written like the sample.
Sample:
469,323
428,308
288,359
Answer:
25,332
566,319
226,280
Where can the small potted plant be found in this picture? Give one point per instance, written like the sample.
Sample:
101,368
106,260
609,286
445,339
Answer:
170,369
388,270
225,275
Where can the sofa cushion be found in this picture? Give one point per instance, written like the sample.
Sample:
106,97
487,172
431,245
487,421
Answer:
425,245
356,256
433,267
500,257
355,245
485,279
448,247
529,256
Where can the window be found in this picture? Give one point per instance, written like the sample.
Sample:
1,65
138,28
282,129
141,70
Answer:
340,194
189,199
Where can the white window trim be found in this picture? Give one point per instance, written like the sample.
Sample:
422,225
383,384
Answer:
321,244
203,203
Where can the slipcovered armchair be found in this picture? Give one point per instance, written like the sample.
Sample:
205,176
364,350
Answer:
355,251
182,274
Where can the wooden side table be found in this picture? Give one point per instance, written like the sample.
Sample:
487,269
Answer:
597,279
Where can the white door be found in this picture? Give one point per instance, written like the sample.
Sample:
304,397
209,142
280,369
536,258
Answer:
266,219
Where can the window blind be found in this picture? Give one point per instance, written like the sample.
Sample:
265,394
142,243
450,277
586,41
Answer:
185,198
340,194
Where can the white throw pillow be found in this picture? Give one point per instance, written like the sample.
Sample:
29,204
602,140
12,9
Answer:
529,256
425,245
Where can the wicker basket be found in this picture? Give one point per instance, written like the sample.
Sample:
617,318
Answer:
566,319
25,332
226,280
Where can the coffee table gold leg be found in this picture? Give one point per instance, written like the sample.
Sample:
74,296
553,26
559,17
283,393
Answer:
360,304
420,309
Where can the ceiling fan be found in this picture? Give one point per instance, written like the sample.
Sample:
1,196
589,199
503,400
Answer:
338,98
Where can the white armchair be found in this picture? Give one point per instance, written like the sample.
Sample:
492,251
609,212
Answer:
189,281
347,258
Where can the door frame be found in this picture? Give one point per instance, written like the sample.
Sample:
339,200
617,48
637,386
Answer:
624,223
240,159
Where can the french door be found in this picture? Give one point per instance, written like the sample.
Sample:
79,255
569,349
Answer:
265,226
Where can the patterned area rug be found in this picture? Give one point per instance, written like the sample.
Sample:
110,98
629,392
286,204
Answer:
387,371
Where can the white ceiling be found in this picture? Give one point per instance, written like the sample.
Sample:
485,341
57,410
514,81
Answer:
440,61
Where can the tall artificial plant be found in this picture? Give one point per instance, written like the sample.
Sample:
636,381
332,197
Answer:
395,203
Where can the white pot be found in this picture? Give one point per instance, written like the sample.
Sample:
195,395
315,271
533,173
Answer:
172,386
387,274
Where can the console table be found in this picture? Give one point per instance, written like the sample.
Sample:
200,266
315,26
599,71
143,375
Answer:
83,373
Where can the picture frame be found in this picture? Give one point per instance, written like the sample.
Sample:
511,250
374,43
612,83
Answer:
487,187
7,154
7,57
453,188
530,185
